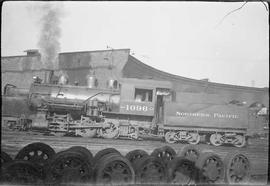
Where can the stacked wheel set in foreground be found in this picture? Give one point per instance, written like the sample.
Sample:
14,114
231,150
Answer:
37,163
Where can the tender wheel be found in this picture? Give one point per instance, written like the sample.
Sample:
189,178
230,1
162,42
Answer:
195,138
240,141
5,158
191,152
21,172
181,171
89,133
211,168
88,155
104,152
68,166
132,156
150,169
165,153
237,168
215,139
39,153
114,169
169,137
110,132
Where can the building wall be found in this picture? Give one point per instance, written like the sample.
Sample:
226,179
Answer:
227,93
78,65
19,70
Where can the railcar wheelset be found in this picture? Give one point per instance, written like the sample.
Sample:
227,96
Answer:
70,166
38,152
181,171
150,169
165,154
191,152
237,168
113,168
133,155
211,169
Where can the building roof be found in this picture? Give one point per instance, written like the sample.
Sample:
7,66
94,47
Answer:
168,76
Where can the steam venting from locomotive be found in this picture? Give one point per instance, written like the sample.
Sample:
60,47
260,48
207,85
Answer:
50,34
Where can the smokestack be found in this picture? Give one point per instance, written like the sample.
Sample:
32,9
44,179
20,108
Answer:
50,33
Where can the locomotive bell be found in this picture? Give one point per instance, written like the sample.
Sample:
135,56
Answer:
92,82
112,84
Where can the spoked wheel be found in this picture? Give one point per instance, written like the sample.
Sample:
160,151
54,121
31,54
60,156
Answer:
110,132
240,141
104,152
114,169
89,133
5,158
215,139
21,172
181,171
132,156
84,151
39,153
211,168
69,167
169,137
194,138
237,168
165,153
191,152
150,170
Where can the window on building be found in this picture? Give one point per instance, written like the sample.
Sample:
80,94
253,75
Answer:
143,95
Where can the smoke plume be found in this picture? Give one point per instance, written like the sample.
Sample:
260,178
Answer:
50,34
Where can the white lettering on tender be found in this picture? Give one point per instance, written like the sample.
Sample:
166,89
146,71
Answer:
199,114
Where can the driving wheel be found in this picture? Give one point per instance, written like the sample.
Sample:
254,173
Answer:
110,132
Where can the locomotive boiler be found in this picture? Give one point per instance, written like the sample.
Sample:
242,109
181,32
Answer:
134,108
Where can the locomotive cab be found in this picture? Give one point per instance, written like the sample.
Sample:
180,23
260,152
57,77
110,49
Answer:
144,100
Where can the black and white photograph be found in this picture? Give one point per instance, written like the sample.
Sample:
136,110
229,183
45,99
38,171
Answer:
135,93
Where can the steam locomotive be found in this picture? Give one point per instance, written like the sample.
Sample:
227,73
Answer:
131,108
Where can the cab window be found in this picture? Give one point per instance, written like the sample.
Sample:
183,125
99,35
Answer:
143,95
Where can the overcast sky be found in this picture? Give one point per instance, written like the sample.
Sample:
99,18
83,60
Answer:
189,39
